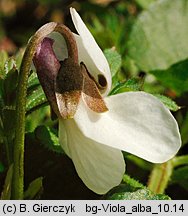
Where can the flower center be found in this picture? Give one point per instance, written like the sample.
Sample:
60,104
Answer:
74,83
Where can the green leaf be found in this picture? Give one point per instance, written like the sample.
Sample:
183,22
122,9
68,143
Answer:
18,58
9,65
133,84
139,194
8,119
168,102
184,130
33,81
6,193
159,36
183,184
36,99
176,77
48,139
117,192
125,192
180,176
160,197
133,190
114,60
132,182
145,165
3,59
34,189
180,160
10,84
38,117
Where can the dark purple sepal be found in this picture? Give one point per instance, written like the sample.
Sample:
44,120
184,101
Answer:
47,67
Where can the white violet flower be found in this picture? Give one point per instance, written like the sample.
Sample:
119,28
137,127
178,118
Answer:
135,122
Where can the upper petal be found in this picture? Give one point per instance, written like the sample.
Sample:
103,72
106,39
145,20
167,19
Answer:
136,122
89,52
100,167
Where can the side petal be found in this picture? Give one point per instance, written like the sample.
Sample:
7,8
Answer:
91,94
68,86
136,122
100,167
89,51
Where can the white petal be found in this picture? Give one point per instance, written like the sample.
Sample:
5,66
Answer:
100,167
89,51
136,122
62,134
59,46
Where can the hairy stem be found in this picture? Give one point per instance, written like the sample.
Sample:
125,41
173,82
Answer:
160,176
18,157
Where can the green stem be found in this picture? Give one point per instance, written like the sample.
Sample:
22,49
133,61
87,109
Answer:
180,160
140,162
18,173
18,157
18,168
159,177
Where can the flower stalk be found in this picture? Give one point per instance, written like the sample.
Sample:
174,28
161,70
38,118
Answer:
18,157
160,176
161,173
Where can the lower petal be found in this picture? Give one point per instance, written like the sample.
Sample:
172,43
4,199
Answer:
100,167
136,122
